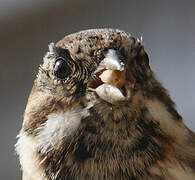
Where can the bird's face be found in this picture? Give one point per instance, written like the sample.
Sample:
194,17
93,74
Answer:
108,63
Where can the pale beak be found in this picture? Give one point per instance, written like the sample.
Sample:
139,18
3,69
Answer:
112,76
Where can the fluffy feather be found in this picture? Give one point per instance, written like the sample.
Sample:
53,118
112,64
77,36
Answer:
83,122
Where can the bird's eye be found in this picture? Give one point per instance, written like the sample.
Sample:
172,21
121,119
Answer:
61,69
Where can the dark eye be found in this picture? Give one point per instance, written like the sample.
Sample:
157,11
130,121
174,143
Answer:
61,69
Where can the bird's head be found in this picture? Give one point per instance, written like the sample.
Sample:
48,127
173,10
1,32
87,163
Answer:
110,63
101,68
104,70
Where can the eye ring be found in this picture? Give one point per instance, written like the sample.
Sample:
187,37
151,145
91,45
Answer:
61,68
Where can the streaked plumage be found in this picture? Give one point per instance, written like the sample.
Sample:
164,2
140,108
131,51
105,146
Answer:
96,111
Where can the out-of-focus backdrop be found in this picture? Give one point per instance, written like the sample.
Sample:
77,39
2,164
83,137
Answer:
26,28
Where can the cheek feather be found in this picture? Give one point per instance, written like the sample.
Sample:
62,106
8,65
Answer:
26,148
58,126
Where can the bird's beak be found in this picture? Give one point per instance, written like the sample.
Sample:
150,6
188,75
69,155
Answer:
110,78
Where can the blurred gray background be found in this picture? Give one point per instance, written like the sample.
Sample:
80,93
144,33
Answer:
26,28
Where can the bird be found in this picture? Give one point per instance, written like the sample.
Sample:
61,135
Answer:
97,112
